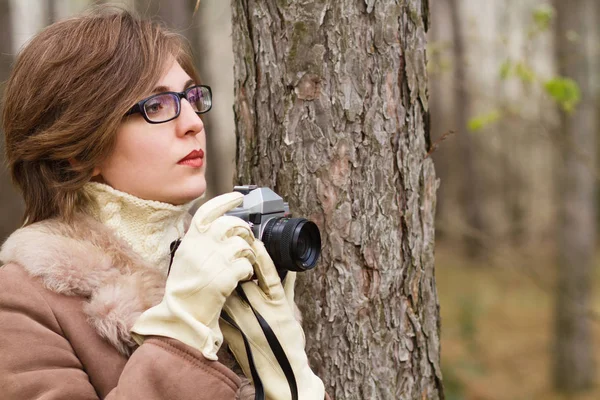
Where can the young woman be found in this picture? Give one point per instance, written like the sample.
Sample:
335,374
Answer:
105,142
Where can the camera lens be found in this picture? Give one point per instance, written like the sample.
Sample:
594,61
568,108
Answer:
302,245
294,244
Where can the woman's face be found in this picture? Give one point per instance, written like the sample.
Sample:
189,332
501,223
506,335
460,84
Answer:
147,160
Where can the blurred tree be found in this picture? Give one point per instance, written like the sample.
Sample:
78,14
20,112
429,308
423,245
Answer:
440,108
51,11
178,15
574,367
215,62
11,206
330,105
471,188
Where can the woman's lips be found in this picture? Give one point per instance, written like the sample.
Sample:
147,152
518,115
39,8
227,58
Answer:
195,159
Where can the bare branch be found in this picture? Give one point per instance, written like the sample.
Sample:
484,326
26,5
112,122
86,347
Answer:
435,144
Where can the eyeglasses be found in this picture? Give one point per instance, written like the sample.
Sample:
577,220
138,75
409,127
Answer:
166,106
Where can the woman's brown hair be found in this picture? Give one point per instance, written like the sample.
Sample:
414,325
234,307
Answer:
67,94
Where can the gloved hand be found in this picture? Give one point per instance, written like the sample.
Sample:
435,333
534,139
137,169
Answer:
269,299
232,334
289,284
213,257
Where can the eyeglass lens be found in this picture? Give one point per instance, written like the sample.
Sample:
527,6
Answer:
199,98
166,106
162,107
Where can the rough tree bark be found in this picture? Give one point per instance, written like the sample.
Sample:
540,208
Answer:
331,111
574,367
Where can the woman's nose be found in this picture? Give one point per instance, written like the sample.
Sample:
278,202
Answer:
189,123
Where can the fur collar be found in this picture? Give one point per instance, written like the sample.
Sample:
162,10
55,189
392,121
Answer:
85,258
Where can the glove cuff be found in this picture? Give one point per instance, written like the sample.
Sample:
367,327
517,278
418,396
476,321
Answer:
184,328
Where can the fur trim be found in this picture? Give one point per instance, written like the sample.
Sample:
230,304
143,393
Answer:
84,258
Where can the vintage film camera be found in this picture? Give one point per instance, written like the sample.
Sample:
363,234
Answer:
294,244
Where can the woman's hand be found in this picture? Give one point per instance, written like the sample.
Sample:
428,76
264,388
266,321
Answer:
214,256
269,299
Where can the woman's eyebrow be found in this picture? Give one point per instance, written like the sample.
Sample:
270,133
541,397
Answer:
160,89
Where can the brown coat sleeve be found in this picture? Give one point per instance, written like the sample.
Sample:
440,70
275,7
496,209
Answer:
165,368
37,360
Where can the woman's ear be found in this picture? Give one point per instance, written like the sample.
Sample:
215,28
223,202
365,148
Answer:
97,175
96,171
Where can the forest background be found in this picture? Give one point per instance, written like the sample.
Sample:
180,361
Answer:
507,236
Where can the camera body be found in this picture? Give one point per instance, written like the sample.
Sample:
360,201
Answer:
294,244
260,205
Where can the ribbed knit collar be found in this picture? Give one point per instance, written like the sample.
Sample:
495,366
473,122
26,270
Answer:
147,226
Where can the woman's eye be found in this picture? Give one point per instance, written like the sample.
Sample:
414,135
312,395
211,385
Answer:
154,107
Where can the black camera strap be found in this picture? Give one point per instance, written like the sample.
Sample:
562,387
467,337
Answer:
258,387
275,345
172,249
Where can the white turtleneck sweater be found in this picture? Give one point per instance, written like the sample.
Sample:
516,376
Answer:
148,226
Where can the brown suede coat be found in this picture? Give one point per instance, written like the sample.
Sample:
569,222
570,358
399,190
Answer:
68,296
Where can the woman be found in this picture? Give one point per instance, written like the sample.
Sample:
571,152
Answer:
104,141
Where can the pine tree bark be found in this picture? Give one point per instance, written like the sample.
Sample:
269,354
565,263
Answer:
332,112
574,367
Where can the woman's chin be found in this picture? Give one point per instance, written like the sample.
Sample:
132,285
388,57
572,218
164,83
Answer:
190,193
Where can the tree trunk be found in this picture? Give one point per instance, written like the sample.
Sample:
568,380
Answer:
574,364
441,114
51,11
215,63
331,111
208,34
176,14
471,188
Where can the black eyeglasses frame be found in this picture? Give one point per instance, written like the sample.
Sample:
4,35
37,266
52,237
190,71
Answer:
139,107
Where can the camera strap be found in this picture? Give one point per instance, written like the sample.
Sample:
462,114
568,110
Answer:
275,345
172,249
258,387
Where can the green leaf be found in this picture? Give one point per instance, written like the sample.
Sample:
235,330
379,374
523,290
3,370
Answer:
524,72
505,69
565,91
543,16
479,122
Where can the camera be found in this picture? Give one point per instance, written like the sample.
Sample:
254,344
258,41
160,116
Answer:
294,244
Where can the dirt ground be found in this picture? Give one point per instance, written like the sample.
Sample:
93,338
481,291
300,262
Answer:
497,327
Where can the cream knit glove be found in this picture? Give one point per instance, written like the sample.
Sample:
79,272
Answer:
213,257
